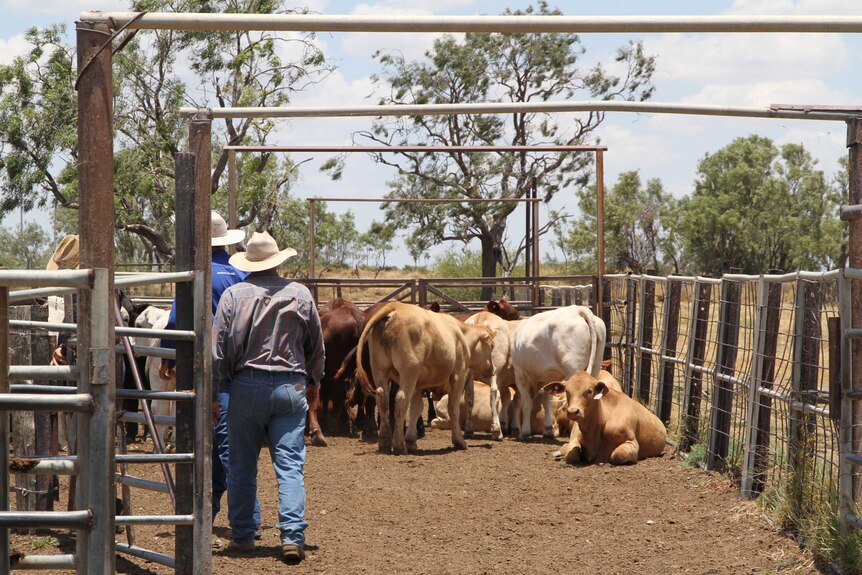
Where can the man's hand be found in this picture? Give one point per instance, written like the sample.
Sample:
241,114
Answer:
216,412
58,358
166,372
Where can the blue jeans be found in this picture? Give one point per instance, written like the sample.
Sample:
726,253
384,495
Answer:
220,462
270,405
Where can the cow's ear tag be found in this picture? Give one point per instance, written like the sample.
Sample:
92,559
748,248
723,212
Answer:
599,395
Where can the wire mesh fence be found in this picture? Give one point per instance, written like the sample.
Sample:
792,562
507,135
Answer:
738,369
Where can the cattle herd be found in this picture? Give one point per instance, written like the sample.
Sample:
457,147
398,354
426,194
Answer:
514,376
511,376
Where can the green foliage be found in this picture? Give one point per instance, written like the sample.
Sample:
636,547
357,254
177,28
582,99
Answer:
758,207
482,68
27,248
696,456
44,542
636,236
456,263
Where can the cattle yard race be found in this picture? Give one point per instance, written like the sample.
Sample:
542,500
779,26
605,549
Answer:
612,423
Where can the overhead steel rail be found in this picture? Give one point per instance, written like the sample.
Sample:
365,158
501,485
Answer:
510,24
784,113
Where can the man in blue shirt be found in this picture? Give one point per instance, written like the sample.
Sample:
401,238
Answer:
224,275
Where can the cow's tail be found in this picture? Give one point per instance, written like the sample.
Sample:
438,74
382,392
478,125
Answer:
593,366
361,374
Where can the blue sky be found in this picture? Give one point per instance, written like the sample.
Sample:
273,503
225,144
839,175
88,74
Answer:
720,69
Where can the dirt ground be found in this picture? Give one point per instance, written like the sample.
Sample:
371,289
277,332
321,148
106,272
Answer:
499,507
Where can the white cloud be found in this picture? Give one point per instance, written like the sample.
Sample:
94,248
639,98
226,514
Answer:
747,57
63,9
801,7
761,94
12,47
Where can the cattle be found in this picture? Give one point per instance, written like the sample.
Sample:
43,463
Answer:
551,346
610,426
419,349
481,414
341,322
558,404
504,373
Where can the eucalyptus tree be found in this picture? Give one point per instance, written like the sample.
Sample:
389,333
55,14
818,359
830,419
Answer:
484,68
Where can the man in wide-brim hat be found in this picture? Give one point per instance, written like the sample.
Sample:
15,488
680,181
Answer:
67,256
267,342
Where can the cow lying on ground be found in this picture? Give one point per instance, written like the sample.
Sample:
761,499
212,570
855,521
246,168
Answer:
419,349
551,346
610,426
481,414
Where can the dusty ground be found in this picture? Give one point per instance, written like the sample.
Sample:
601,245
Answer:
496,508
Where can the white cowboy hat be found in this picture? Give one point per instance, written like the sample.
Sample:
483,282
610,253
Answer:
261,253
67,256
221,236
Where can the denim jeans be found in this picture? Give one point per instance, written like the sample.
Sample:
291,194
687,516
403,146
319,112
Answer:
271,405
220,462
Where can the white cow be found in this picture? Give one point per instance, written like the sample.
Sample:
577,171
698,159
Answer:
504,374
551,346
157,318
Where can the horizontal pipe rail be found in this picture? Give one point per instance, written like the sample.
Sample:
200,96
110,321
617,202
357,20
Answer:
853,520
80,402
137,417
513,108
44,372
853,212
176,334
153,394
853,458
148,351
46,519
140,483
55,389
154,519
46,325
43,466
155,457
153,278
508,24
852,394
44,562
382,149
146,554
27,294
80,279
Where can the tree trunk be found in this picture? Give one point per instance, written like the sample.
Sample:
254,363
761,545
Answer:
490,257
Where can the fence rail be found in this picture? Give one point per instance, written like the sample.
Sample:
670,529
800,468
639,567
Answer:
745,371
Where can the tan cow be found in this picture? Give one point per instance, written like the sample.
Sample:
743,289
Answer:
419,349
610,426
504,373
481,413
560,406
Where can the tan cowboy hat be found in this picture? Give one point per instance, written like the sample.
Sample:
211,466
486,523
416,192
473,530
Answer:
221,236
67,256
261,253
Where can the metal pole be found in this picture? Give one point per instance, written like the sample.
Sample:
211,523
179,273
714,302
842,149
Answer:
486,24
535,246
231,192
95,484
4,426
600,230
854,143
199,427
521,107
312,254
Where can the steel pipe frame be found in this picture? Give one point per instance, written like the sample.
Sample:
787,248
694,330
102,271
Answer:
399,149
42,562
178,334
146,554
518,107
43,466
154,519
125,280
147,351
80,279
44,372
47,519
77,402
509,24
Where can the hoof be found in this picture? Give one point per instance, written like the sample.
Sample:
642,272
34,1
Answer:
496,435
402,450
548,433
411,447
317,438
558,456
573,457
459,446
384,446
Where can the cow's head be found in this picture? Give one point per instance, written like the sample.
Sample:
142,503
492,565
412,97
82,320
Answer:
582,391
481,340
503,309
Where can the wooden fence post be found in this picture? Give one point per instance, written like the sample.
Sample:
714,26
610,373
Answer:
32,430
696,352
606,315
644,353
759,417
725,365
669,336
806,363
630,335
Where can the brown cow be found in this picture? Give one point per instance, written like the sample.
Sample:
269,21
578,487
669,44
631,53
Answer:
610,426
559,404
419,349
341,322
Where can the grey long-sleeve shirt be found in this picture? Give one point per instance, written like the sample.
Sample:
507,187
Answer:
266,322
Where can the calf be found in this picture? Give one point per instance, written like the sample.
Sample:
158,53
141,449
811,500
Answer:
609,426
341,322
